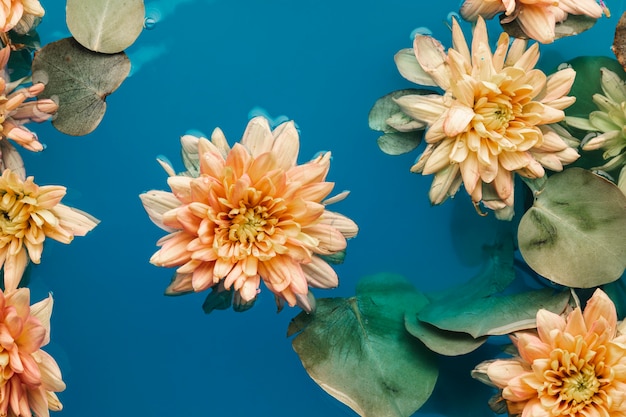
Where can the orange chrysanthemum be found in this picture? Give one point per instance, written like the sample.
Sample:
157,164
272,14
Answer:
493,118
28,214
29,377
574,367
537,18
249,213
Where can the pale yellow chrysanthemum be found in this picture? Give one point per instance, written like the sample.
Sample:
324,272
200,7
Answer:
248,214
28,214
537,18
609,119
493,118
573,367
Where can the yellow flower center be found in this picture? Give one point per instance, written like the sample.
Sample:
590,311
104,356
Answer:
494,112
580,387
575,380
14,214
249,228
249,224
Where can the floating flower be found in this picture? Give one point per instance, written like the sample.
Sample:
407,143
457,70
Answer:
573,367
15,110
247,214
12,11
493,118
609,119
537,18
28,214
29,376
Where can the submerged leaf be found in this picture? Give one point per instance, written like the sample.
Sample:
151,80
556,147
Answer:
495,315
358,350
588,82
441,341
574,233
79,80
494,277
107,26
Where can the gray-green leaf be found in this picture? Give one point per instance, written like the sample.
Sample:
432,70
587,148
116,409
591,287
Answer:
107,26
79,80
574,233
358,350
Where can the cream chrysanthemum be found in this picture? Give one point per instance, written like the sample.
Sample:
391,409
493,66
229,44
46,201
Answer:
247,214
28,214
574,367
537,18
493,118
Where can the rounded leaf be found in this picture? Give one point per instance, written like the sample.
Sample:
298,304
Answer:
78,80
574,234
107,26
358,350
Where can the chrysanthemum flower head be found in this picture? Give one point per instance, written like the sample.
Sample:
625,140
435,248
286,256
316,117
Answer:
493,119
249,213
573,366
609,120
28,214
11,11
29,377
19,106
537,18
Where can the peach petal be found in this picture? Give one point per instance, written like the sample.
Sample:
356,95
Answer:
601,306
319,274
258,138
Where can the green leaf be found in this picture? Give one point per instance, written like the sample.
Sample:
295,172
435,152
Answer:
400,142
588,82
441,341
494,277
495,315
358,350
107,26
574,234
385,108
402,133
79,80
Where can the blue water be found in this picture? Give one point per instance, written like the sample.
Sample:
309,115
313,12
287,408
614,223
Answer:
127,350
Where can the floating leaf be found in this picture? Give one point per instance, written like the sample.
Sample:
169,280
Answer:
107,26
588,82
494,277
474,310
385,108
574,233
573,25
402,134
399,143
79,80
358,350
495,315
441,341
